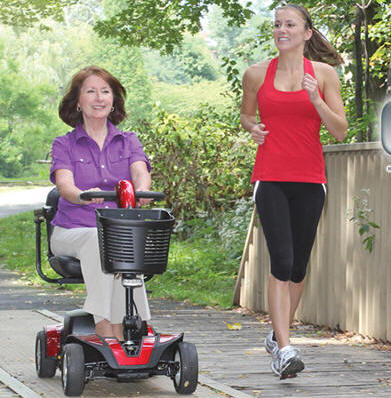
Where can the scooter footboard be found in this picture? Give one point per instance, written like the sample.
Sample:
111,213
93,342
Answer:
147,356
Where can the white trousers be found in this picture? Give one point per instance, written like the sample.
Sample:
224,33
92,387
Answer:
105,293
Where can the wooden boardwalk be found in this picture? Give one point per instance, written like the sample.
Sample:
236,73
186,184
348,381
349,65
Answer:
238,359
233,358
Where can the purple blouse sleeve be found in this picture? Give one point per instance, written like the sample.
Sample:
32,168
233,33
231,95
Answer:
60,156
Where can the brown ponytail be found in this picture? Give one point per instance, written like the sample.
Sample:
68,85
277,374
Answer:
317,48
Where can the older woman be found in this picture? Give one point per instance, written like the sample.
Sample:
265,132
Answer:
94,156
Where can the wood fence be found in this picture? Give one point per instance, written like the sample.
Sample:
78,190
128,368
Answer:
346,286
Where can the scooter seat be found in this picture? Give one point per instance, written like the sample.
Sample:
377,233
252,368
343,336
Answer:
66,266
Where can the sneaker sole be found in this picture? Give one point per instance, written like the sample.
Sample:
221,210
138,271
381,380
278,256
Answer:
275,371
292,368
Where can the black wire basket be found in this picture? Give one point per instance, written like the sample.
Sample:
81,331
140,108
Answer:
134,240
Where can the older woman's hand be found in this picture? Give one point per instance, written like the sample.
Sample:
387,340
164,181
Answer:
94,200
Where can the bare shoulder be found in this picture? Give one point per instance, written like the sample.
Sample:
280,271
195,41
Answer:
255,75
324,71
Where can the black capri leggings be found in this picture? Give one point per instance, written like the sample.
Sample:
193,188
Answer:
289,214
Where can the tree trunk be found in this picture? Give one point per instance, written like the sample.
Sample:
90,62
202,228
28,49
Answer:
375,89
358,68
367,15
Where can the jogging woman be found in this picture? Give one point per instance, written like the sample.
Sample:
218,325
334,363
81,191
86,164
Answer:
294,94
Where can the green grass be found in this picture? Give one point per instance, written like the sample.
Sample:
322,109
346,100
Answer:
17,249
199,270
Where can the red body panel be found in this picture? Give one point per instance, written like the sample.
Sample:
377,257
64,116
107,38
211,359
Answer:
126,194
53,339
53,345
119,353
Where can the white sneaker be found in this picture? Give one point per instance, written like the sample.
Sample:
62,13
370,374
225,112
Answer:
275,363
270,344
288,362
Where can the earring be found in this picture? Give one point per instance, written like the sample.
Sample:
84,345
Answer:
78,109
112,109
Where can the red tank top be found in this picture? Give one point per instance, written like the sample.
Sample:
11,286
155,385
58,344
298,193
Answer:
292,150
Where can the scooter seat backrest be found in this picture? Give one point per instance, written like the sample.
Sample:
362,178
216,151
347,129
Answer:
67,266
50,211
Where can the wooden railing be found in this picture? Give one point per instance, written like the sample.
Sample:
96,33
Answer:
346,285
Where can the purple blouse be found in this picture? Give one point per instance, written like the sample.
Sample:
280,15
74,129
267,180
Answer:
91,168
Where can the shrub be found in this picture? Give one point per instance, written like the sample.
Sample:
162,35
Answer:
202,163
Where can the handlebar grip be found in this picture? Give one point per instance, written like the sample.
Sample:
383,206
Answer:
112,195
150,195
106,195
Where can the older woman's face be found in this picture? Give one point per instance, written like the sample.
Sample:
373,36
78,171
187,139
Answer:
96,98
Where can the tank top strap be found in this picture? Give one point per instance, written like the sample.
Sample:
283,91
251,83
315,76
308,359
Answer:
271,72
308,67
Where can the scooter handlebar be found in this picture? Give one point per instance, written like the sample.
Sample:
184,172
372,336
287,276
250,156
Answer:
112,195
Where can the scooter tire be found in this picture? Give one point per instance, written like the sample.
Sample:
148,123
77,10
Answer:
73,370
186,379
45,367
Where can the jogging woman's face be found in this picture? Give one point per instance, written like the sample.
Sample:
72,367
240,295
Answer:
290,29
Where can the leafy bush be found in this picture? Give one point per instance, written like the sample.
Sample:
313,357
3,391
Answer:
202,163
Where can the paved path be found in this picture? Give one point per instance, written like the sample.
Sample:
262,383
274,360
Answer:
13,202
234,359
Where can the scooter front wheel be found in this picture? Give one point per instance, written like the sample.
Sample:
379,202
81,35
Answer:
186,379
73,371
45,367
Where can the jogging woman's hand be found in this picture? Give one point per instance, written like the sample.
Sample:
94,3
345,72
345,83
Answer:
310,84
258,133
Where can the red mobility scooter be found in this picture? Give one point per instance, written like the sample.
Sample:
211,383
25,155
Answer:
132,242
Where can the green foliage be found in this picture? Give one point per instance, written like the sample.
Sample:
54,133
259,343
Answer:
202,163
128,66
360,215
185,99
23,120
198,271
17,249
29,12
232,227
195,59
238,48
192,62
358,126
17,245
161,24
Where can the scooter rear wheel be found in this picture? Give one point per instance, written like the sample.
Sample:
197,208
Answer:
186,379
73,371
45,367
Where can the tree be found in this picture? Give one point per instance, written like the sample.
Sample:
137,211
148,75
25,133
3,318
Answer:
161,24
29,12
24,120
237,48
189,63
